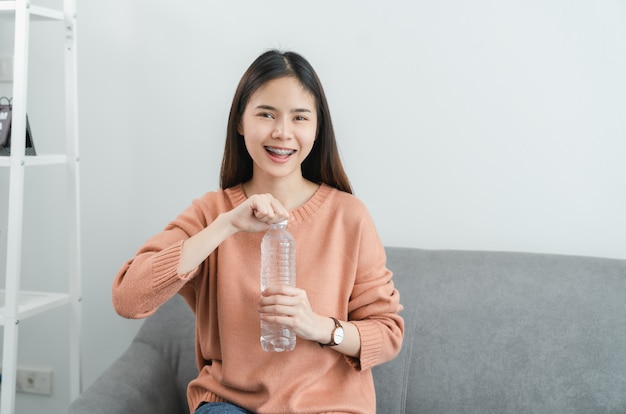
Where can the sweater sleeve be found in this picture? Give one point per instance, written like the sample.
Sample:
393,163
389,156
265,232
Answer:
375,303
150,278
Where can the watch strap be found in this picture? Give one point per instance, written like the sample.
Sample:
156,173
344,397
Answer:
332,334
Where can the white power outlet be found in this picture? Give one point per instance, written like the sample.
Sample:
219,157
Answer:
34,381
6,69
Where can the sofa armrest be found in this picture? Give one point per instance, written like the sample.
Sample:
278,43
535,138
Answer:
139,381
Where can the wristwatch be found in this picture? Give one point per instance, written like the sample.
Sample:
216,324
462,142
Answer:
336,336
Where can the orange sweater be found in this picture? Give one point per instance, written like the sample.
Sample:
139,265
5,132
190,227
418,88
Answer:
340,262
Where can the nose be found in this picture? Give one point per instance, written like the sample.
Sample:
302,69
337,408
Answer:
282,129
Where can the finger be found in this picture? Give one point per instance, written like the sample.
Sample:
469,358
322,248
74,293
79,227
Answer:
283,320
278,309
269,209
284,290
261,210
280,211
275,300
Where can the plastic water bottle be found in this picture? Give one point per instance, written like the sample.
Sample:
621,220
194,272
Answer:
278,267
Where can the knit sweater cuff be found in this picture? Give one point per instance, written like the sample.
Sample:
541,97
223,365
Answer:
165,267
371,343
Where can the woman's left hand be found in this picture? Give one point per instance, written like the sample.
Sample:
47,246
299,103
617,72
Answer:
290,306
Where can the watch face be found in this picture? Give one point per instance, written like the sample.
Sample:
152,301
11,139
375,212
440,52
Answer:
338,335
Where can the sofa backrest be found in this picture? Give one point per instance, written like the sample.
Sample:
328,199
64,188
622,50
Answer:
391,379
171,331
497,332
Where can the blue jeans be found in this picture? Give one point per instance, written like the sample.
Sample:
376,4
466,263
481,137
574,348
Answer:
220,408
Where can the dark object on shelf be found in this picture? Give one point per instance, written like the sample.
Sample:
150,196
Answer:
5,130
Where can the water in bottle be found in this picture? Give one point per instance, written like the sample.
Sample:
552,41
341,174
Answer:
278,267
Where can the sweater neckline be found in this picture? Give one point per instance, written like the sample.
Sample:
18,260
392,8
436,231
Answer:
305,213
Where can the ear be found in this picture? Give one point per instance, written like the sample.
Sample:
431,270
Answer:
240,128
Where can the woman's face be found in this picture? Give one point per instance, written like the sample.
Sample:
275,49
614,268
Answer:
279,125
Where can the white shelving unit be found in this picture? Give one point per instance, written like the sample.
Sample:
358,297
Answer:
16,305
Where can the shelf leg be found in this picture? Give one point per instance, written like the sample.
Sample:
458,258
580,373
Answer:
9,366
16,204
73,197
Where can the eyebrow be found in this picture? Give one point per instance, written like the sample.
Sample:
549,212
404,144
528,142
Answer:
271,108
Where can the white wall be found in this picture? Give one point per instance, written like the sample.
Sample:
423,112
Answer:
495,125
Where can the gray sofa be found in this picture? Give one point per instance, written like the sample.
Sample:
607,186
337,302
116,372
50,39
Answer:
486,332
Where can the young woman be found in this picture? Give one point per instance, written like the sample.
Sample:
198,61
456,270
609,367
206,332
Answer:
280,162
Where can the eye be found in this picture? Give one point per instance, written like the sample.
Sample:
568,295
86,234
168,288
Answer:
301,118
265,115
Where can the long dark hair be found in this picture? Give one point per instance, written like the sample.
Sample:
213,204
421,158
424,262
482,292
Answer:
323,164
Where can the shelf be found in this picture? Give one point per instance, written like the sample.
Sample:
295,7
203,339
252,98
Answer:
17,305
49,159
34,303
38,12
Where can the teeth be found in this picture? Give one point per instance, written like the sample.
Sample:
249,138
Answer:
279,151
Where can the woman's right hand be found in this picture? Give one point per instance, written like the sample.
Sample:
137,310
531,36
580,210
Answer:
257,213
253,215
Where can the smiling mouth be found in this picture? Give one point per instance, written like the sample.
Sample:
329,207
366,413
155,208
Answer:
280,151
